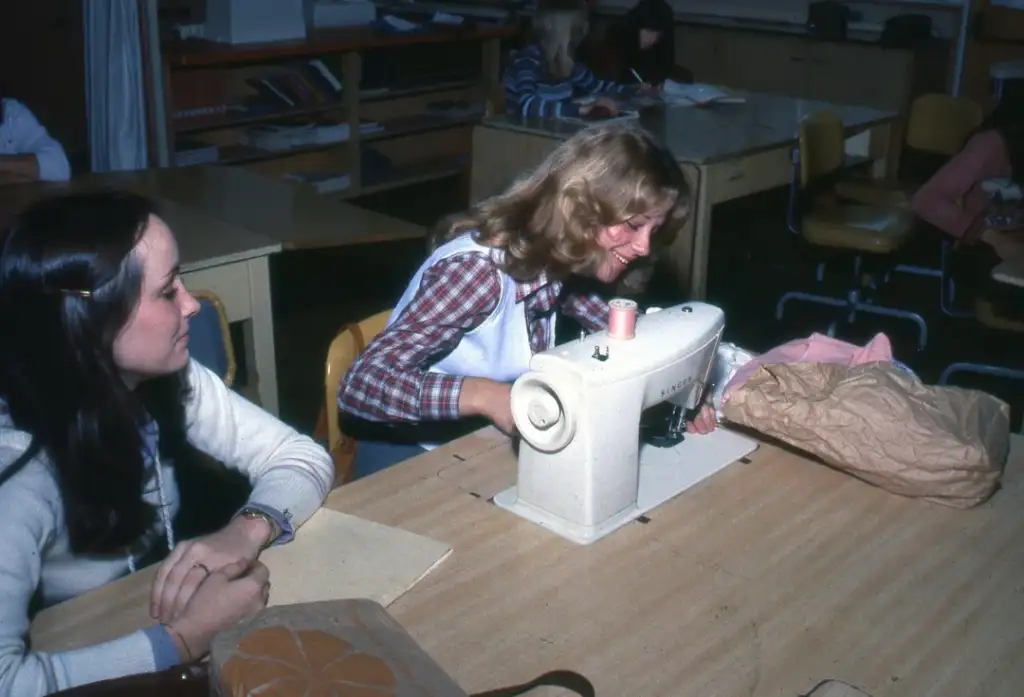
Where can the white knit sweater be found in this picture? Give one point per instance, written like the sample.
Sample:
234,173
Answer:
290,473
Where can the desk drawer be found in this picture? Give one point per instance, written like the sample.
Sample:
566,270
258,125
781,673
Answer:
748,175
231,284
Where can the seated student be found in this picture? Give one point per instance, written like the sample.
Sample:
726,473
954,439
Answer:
98,393
544,77
485,300
954,200
27,152
640,47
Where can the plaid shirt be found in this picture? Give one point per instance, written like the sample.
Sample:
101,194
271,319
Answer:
390,381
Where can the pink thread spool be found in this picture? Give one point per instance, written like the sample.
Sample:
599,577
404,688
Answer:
621,318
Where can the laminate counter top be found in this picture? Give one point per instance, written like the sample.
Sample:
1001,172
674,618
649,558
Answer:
703,135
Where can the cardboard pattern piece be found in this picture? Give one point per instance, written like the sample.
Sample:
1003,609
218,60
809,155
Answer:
339,556
333,556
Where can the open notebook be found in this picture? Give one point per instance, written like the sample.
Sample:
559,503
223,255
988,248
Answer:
696,94
333,556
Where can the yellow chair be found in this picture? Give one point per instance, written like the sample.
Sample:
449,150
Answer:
867,235
938,124
343,351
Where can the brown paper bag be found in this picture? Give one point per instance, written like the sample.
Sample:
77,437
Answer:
874,421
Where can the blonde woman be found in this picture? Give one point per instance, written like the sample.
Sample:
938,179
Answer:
544,77
485,300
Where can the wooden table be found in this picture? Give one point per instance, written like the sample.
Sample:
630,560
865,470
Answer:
228,221
764,580
727,151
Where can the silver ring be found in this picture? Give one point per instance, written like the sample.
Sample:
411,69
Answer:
201,565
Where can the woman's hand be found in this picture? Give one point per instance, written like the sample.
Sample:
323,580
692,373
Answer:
609,104
704,422
484,397
601,104
193,561
231,594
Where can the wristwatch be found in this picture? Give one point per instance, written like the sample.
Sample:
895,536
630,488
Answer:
251,513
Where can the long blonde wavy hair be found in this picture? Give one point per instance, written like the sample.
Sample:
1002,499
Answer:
549,219
558,27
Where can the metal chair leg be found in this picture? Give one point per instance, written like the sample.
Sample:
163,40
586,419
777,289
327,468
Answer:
947,289
853,305
918,270
922,326
980,369
808,297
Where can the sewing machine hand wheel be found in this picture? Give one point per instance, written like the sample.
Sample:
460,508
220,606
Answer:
543,411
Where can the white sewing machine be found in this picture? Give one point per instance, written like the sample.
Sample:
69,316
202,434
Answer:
583,471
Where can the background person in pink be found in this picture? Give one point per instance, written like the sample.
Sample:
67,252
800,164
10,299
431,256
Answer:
954,199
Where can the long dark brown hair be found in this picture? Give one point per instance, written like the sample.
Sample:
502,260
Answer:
69,282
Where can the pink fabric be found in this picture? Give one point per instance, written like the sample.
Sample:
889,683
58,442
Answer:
817,348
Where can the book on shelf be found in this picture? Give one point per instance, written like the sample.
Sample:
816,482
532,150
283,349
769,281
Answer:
298,84
280,137
456,108
189,152
325,182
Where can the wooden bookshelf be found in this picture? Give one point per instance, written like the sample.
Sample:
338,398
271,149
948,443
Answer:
199,53
219,95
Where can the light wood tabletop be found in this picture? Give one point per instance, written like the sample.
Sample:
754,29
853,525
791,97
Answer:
290,213
204,240
766,579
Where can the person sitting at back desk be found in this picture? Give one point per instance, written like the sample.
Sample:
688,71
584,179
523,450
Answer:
639,48
485,300
544,78
28,152
954,199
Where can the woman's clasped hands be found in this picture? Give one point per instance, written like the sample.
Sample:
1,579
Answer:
211,582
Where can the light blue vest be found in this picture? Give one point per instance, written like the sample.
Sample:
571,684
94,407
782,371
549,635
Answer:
499,348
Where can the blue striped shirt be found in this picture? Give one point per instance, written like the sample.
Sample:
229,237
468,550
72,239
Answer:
531,91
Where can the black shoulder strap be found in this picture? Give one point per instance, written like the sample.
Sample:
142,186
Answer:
19,463
565,679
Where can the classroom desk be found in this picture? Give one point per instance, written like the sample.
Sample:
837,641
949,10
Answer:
727,151
228,221
764,580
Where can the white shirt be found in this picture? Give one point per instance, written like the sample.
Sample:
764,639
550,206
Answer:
499,349
289,472
22,134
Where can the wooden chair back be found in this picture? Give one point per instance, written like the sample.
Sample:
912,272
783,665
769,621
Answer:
822,143
346,346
